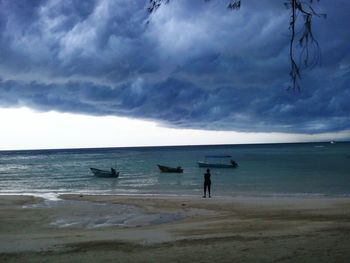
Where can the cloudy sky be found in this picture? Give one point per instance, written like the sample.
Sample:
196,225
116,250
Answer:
105,73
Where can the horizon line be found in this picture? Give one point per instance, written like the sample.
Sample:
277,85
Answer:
169,146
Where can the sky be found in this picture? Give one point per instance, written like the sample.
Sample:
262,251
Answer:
104,73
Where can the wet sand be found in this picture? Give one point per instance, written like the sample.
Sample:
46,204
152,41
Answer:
175,229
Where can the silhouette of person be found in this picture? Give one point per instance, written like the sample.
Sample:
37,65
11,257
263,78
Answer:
234,164
207,183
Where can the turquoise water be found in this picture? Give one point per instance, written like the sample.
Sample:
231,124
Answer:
270,169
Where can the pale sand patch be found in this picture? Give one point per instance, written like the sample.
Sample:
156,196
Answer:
196,230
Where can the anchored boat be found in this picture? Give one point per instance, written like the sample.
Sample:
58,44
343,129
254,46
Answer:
218,161
167,169
104,173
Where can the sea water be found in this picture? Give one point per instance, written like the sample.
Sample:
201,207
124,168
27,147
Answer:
264,170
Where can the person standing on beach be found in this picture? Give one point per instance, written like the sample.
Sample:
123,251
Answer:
207,183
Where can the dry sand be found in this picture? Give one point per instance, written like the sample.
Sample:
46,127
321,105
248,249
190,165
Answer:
193,229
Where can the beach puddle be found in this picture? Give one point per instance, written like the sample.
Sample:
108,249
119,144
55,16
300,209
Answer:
85,214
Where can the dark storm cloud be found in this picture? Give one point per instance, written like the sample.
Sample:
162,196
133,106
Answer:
192,65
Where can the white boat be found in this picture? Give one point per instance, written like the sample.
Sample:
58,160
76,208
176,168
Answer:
104,173
218,161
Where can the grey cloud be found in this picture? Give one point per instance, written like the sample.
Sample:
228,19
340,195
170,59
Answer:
193,65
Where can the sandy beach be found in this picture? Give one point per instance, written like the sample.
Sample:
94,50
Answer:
174,229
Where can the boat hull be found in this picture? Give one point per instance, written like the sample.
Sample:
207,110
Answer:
103,173
216,165
167,169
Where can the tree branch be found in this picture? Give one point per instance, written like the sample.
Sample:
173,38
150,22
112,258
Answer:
310,51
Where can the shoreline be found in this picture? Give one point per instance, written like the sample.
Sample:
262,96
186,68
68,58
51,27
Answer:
54,195
177,228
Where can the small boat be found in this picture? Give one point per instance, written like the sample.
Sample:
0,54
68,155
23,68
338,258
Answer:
210,163
104,173
167,169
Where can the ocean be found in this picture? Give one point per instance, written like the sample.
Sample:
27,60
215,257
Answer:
300,169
